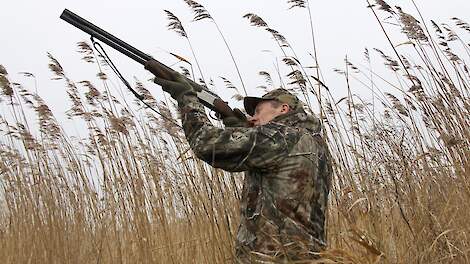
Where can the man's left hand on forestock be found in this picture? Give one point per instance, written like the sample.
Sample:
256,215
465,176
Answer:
177,87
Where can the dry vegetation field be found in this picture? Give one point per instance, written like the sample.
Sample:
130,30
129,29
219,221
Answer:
131,191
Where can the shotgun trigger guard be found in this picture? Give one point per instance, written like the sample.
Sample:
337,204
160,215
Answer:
214,115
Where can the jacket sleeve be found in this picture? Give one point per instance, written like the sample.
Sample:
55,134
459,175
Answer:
234,148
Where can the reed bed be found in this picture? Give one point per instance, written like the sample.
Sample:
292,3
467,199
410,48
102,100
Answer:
131,190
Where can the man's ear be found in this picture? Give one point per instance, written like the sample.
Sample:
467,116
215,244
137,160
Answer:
285,108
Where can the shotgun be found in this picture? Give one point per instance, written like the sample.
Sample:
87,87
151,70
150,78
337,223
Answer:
206,97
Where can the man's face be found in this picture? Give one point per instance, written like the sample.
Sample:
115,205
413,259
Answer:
266,111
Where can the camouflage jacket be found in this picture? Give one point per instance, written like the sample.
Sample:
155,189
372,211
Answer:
286,185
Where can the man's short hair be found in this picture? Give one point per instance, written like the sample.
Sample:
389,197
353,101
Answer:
276,103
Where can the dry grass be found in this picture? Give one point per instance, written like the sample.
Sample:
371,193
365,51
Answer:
132,192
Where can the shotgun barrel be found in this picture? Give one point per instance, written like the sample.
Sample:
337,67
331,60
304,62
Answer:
206,97
105,37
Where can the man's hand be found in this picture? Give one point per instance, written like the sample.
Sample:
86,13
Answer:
177,87
172,82
237,120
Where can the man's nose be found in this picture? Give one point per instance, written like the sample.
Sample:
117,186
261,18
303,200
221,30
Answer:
252,120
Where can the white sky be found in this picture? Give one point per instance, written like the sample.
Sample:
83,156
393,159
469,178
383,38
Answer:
30,29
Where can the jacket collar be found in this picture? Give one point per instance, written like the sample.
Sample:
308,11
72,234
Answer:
299,118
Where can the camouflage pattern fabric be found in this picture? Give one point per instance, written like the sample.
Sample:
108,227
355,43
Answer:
286,185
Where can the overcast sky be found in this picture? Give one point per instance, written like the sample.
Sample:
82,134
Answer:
30,29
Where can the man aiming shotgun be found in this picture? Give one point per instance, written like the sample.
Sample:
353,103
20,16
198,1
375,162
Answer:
287,165
287,162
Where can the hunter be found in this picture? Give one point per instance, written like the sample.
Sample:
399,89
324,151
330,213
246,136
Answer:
287,164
